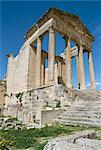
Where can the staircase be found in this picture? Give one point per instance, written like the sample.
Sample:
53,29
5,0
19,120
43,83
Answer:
84,110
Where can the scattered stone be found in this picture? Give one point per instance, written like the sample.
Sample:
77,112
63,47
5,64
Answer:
78,141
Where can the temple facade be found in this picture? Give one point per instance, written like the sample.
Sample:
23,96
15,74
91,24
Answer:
27,69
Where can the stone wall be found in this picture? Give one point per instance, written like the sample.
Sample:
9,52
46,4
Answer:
31,68
28,106
2,93
48,116
17,72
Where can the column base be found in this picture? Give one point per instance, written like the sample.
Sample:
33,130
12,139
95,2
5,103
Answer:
93,87
69,86
83,88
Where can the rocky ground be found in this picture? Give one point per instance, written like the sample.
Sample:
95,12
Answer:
85,140
7,123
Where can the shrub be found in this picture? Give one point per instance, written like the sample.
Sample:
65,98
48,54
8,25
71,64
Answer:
58,104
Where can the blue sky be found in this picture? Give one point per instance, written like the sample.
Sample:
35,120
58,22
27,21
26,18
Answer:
17,17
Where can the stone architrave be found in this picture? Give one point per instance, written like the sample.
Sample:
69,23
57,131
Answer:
51,55
91,69
81,69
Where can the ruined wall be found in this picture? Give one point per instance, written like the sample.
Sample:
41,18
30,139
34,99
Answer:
48,116
20,72
2,93
31,68
28,107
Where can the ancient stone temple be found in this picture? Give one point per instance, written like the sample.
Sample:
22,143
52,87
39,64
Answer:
27,70
30,86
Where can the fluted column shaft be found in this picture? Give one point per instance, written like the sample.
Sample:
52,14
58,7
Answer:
81,69
38,62
59,69
51,55
78,74
68,64
43,71
91,69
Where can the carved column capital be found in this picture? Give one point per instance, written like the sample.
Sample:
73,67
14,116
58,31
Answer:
67,38
51,29
39,39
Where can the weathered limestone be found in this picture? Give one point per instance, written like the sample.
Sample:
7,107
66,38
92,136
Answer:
38,62
78,74
79,141
91,69
81,68
31,68
2,93
85,110
40,31
42,70
68,64
51,55
59,68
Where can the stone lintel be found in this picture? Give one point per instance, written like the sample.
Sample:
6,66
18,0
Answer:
41,30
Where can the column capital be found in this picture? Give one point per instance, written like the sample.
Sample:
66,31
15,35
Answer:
90,50
40,38
81,48
51,29
67,37
81,45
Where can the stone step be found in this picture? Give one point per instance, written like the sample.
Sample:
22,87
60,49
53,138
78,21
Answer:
80,115
88,112
82,123
76,118
69,111
83,110
86,104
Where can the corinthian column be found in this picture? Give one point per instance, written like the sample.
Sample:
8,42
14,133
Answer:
81,69
68,64
59,69
51,55
43,70
38,62
91,69
77,66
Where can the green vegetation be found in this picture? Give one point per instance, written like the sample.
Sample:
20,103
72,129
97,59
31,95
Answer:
98,138
36,138
58,104
19,96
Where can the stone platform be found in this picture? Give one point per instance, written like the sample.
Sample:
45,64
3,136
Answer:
56,103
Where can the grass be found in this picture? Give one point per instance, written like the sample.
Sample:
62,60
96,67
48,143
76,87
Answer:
36,138
98,138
